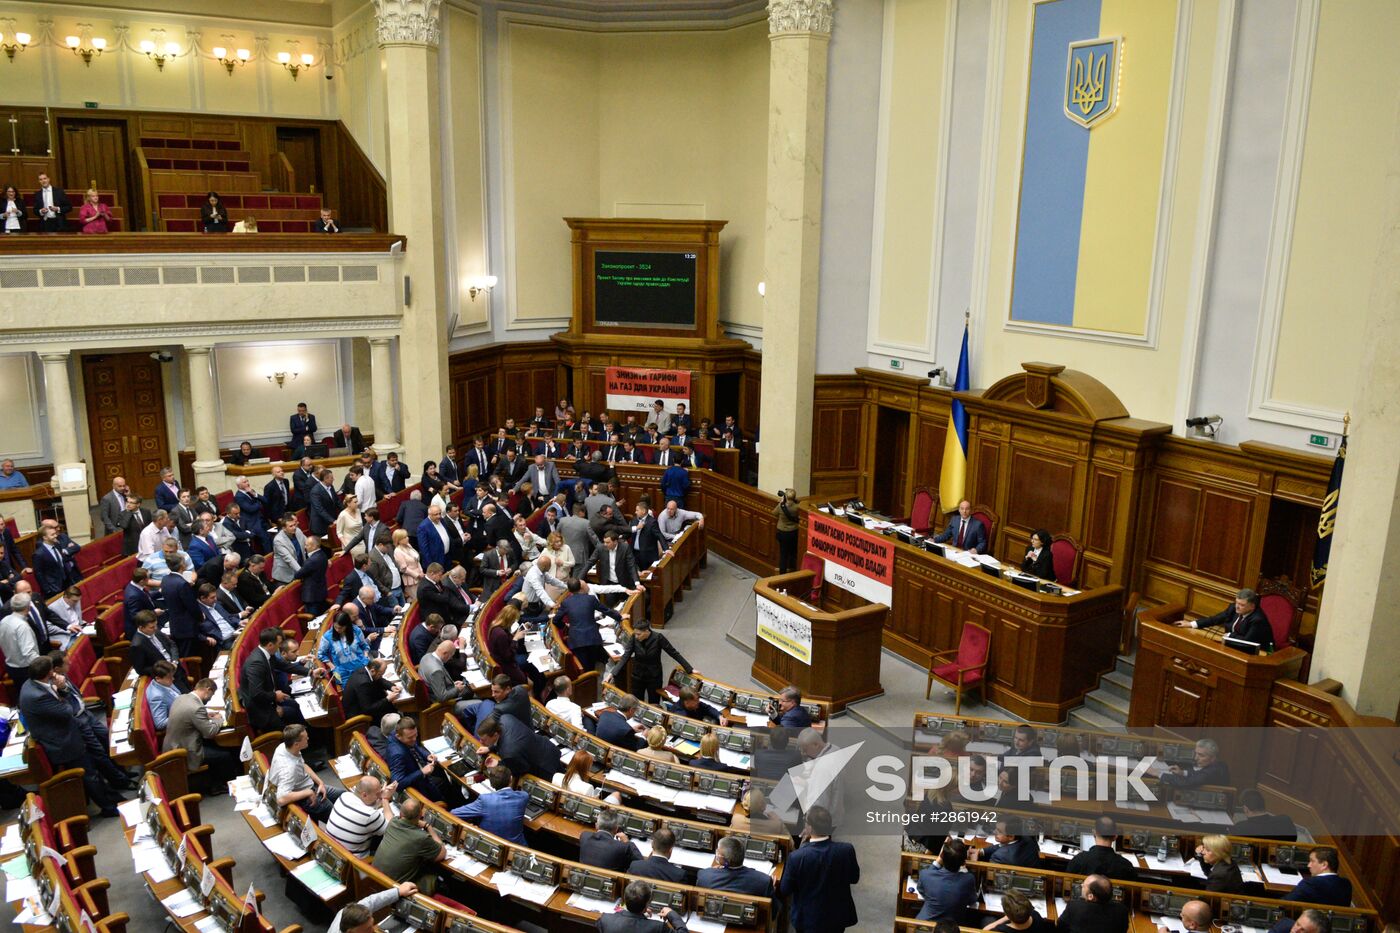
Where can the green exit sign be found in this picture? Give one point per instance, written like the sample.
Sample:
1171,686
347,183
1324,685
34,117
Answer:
90,104
896,364
1320,440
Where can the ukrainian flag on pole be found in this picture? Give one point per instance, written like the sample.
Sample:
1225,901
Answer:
953,483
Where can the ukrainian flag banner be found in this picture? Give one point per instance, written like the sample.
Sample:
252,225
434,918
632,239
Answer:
1092,164
953,480
1327,521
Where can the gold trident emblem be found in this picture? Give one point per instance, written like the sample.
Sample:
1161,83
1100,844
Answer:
1087,83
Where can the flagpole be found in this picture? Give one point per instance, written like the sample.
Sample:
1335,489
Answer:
1346,423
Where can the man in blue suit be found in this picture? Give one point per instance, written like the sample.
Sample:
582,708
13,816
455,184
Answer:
728,872
613,727
53,561
964,531
578,611
182,609
389,475
790,713
52,724
137,597
1322,886
819,877
167,491
433,539
301,424
313,577
250,508
323,504
947,890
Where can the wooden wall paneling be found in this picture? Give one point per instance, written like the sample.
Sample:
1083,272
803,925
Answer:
1223,529
751,388
838,412
595,392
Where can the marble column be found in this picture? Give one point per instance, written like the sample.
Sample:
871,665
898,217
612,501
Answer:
70,473
799,34
1358,642
408,35
208,468
381,369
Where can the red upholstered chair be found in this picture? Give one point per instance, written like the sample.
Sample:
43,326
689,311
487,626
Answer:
964,668
925,507
222,500
815,564
1064,551
1282,603
988,518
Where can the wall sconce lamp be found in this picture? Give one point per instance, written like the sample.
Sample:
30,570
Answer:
762,289
86,52
158,54
20,43
482,283
285,60
280,378
222,57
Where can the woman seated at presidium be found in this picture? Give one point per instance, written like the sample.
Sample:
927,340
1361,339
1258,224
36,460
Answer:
1039,560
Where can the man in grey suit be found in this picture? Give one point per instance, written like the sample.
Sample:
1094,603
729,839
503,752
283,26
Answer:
191,725
288,551
183,515
543,477
580,537
441,687
112,505
636,897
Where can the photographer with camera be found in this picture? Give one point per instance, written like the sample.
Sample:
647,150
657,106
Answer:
785,513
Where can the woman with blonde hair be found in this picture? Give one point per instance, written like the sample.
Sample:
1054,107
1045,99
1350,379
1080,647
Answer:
410,570
93,215
709,754
349,522
560,554
656,746
1218,862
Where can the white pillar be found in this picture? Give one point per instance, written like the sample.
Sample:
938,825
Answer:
70,474
381,374
208,468
408,32
1358,642
799,33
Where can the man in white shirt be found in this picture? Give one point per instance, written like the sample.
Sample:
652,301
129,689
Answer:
364,489
294,779
362,814
359,916
563,704
537,579
671,521
154,535
528,542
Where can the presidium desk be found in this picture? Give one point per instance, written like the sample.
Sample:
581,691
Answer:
1047,651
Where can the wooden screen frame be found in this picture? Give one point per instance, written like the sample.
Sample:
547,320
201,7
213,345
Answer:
591,234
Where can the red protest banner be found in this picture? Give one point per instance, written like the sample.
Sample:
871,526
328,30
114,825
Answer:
840,542
637,389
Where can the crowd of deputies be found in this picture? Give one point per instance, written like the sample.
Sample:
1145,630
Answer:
50,206
950,892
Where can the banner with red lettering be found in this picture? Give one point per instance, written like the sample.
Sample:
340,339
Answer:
638,389
854,559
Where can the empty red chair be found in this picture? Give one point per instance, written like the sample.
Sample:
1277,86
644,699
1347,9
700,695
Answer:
1064,552
964,668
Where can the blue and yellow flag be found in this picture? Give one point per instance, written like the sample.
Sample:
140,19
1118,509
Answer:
1327,521
954,479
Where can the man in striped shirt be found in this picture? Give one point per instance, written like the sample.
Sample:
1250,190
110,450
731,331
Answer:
361,815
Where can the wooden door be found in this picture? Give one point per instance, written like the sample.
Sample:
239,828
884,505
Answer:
95,150
302,147
126,419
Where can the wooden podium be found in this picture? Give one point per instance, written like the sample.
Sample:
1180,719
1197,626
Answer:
1185,678
844,647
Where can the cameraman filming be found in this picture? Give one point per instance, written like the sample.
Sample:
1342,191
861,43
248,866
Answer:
785,512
